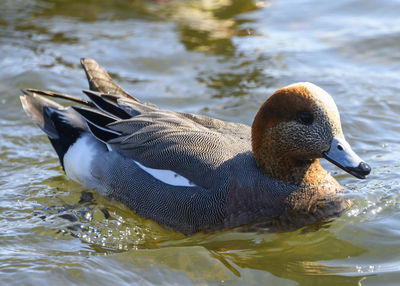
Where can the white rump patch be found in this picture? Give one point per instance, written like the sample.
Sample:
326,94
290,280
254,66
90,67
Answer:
78,159
167,176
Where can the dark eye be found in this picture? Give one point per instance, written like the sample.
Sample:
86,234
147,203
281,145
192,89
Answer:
305,117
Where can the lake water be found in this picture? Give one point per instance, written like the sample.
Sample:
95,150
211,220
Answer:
218,58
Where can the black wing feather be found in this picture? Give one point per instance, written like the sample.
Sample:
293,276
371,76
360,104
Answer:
96,117
101,133
106,105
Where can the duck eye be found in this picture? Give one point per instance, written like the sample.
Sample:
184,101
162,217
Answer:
305,117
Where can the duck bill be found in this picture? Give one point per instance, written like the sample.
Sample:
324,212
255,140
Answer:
341,154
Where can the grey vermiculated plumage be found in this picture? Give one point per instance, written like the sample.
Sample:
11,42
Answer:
189,209
230,189
211,153
193,150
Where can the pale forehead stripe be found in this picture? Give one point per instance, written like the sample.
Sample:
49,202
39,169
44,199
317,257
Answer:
324,101
320,96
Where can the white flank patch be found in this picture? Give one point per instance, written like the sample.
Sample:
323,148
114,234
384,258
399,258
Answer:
167,176
78,159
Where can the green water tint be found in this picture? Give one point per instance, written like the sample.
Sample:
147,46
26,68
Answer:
218,58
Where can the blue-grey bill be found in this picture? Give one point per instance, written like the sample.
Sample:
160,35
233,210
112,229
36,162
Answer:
341,154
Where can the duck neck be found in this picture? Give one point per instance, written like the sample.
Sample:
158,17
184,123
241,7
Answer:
286,169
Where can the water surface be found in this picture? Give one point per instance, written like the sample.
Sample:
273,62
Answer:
218,58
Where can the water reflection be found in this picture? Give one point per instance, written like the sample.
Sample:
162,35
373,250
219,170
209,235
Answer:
202,26
240,255
109,227
209,26
103,10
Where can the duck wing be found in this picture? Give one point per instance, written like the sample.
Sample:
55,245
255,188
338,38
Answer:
224,128
170,141
192,146
100,81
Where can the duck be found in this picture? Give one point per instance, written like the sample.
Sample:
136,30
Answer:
192,173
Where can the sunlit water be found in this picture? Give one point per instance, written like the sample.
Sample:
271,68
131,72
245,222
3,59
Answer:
219,58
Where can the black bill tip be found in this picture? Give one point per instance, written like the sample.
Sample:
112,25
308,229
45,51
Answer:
361,171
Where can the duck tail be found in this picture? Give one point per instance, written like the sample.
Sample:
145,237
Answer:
100,81
107,103
62,125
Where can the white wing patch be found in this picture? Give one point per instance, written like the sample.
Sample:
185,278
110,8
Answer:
79,157
167,176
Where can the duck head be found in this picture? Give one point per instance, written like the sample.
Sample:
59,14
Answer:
295,127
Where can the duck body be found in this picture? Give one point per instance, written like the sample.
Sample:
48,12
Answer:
192,172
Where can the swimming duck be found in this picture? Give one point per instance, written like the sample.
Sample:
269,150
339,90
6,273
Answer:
192,172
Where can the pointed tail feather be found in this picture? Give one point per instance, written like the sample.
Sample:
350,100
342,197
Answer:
59,95
101,81
62,125
34,106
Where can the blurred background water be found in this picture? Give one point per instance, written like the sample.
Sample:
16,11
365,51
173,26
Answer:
219,58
